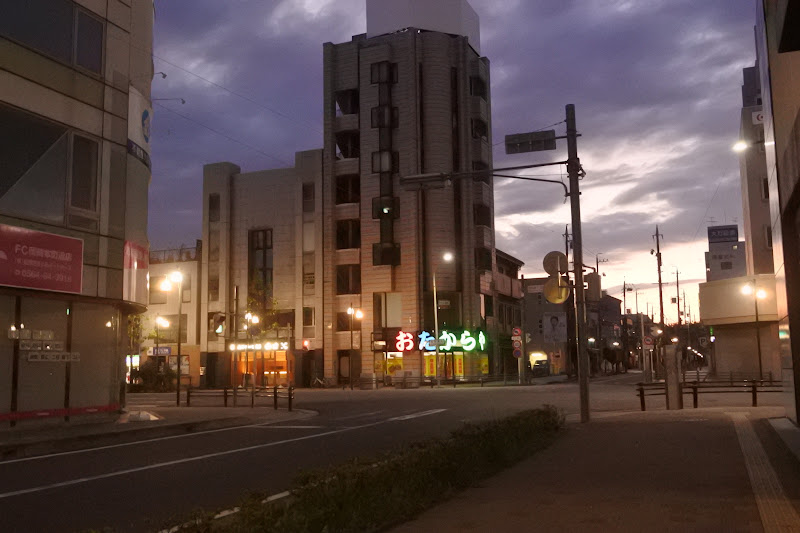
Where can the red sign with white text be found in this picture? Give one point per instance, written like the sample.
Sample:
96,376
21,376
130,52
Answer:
37,260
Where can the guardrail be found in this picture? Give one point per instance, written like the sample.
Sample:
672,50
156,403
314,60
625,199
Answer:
264,392
695,388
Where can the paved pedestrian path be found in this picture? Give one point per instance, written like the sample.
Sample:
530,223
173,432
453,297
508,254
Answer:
716,469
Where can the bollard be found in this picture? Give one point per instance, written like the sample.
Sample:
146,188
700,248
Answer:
253,397
188,396
481,381
291,396
275,397
755,394
694,395
225,396
641,396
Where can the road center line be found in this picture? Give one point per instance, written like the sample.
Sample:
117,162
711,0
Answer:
777,513
200,457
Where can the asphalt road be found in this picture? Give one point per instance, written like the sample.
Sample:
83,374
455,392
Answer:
152,484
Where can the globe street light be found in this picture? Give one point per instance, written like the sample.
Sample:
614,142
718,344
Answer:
166,286
758,294
447,257
352,312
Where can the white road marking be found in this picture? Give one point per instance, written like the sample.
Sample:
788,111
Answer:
206,456
286,427
227,512
418,415
777,512
360,415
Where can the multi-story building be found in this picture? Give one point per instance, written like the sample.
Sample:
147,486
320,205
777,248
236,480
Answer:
409,97
778,52
168,319
75,108
547,326
262,235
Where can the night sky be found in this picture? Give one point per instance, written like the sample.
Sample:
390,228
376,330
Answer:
656,85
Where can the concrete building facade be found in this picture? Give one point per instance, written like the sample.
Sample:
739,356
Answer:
726,256
75,169
405,100
778,53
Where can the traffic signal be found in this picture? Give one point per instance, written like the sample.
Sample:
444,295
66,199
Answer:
218,323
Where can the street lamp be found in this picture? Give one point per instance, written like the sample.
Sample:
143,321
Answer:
164,323
166,286
758,294
352,312
740,146
447,257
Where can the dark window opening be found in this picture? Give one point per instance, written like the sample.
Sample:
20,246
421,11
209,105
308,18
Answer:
308,198
348,189
347,144
483,215
348,234
385,116
346,102
213,207
259,279
343,322
765,188
477,87
768,233
83,193
348,279
308,316
383,72
89,42
726,265
480,130
213,284
488,305
483,259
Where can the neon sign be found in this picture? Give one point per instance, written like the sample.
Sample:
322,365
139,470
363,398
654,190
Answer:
467,341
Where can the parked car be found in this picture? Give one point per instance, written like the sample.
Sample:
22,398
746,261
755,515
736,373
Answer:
540,368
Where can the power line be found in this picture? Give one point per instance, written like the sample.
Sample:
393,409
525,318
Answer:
221,134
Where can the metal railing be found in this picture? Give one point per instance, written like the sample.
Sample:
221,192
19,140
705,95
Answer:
275,393
695,388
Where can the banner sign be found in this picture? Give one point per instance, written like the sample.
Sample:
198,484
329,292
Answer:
37,260
723,233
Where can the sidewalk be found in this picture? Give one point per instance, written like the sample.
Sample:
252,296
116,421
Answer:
692,470
133,424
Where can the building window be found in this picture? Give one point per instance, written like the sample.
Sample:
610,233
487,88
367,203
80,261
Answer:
488,305
259,279
213,285
343,322
346,102
157,296
385,116
480,130
765,188
726,265
348,189
483,259
83,190
308,198
213,207
383,72
477,87
768,235
348,279
57,28
308,316
348,234
348,145
385,161
482,215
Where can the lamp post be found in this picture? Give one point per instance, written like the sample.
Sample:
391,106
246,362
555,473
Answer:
447,258
758,294
164,323
352,312
166,286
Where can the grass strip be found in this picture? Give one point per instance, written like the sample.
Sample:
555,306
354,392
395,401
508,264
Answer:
378,493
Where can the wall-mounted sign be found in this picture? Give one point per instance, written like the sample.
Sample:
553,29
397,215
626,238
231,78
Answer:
723,233
161,350
464,341
53,357
38,260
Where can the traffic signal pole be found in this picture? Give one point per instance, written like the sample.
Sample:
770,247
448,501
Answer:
574,171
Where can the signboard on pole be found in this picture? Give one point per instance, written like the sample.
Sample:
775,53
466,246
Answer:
554,327
648,341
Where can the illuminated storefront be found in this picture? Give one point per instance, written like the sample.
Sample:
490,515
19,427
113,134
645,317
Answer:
268,363
462,352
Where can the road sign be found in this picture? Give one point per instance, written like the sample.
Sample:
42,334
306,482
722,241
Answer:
555,263
556,290
516,344
703,342
517,353
534,141
516,337
648,340
516,332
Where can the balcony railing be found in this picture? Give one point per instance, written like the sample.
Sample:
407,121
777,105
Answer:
176,255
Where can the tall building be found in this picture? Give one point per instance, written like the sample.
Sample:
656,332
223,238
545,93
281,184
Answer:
755,185
74,175
778,52
409,97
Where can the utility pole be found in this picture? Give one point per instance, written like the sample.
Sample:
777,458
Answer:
597,262
574,170
660,343
571,310
678,295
